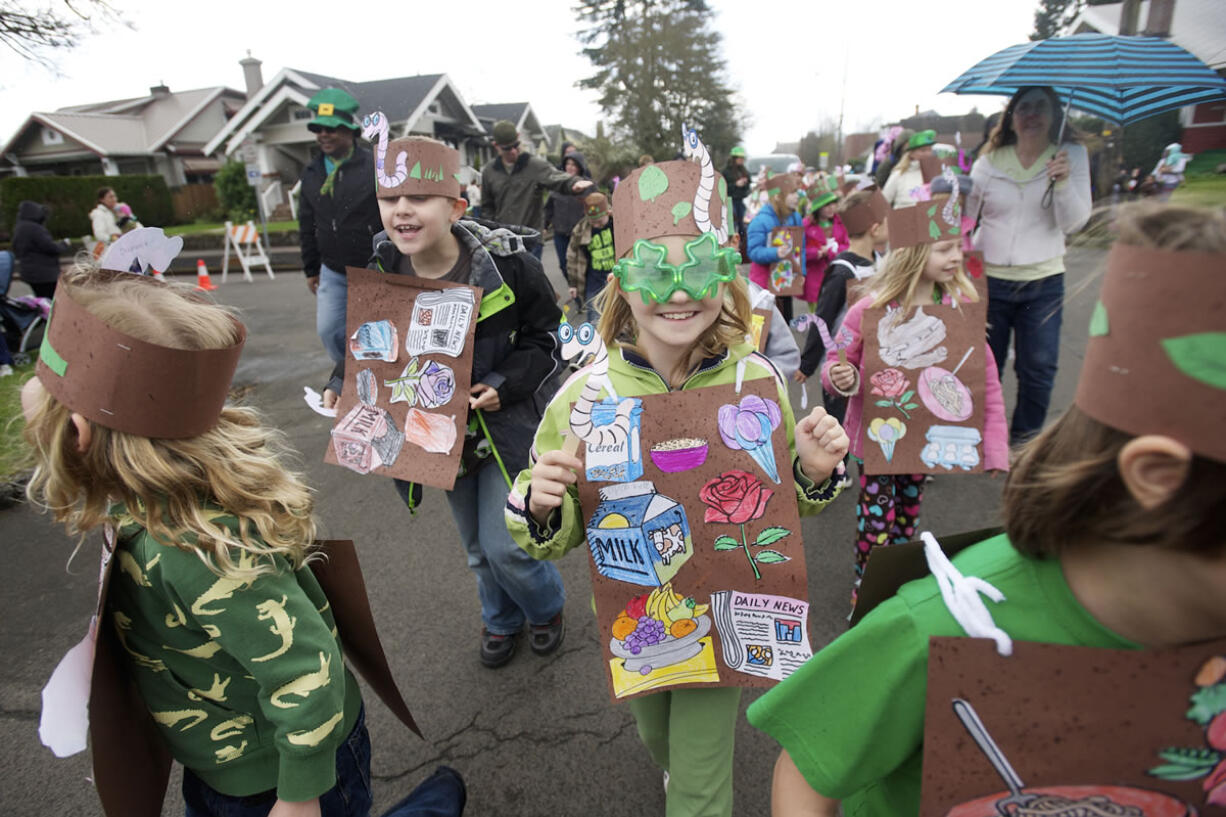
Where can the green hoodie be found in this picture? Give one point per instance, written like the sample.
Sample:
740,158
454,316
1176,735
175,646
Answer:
245,680
632,376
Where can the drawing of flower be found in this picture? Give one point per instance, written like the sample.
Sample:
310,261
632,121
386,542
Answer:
896,388
1209,710
437,385
747,427
735,498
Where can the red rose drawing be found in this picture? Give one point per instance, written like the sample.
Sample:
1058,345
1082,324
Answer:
734,498
889,383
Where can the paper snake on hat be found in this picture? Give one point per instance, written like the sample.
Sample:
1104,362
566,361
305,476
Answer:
375,124
693,148
575,344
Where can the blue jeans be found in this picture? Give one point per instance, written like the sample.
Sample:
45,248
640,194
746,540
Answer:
331,300
350,797
561,242
1032,312
511,584
536,250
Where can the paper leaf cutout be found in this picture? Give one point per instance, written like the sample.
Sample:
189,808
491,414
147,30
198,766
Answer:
770,557
771,535
680,210
1098,321
726,543
1201,357
723,190
652,183
1206,703
415,173
934,231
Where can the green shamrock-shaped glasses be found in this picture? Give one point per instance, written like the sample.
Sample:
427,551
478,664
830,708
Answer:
707,265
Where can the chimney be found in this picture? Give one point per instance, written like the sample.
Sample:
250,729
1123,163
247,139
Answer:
252,74
1161,15
159,90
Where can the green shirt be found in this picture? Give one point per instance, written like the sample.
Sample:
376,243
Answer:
245,681
852,718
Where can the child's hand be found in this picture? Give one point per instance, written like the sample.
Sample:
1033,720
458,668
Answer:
1058,168
783,252
821,444
574,292
484,398
799,376
553,473
329,399
843,375
288,808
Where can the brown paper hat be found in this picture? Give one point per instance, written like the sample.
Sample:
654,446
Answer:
131,385
782,183
923,224
931,167
596,204
658,200
1160,370
860,218
429,169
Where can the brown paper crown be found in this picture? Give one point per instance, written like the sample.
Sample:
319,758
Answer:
930,167
131,385
923,224
430,169
1155,361
860,218
782,183
658,200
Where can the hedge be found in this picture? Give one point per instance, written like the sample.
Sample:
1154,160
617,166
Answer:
72,197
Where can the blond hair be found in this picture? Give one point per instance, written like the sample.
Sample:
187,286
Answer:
1065,487
901,276
778,203
173,488
617,326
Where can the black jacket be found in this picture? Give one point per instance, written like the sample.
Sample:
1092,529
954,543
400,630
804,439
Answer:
337,229
515,349
562,210
37,254
733,172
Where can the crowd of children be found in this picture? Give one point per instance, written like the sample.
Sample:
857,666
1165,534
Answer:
1112,508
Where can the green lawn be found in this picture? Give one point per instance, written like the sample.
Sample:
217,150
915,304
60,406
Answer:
1203,191
13,450
214,227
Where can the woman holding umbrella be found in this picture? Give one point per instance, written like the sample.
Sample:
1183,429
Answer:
1031,188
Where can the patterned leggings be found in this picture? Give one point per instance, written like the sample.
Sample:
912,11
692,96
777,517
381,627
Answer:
887,514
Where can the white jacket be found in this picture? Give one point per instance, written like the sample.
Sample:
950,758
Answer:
1014,227
102,220
898,186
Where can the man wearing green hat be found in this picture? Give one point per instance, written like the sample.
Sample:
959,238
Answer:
511,187
737,178
337,212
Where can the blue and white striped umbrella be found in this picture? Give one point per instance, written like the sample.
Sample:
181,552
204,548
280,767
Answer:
1122,79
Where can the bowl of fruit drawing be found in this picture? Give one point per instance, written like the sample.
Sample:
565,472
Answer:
674,456
658,629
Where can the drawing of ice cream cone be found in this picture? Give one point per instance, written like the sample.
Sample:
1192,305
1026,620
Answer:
887,433
747,427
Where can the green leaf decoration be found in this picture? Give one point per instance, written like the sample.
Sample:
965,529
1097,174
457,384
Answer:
415,173
771,535
457,177
770,557
1185,763
723,189
652,183
680,210
907,395
1099,325
726,543
884,403
911,405
1201,357
955,230
934,231
932,211
50,357
1207,702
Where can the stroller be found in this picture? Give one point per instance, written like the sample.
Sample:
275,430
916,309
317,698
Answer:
23,319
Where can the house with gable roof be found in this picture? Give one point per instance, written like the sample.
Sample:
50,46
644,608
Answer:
524,119
164,132
270,128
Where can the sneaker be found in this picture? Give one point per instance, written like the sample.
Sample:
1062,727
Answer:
496,650
844,482
546,638
5,370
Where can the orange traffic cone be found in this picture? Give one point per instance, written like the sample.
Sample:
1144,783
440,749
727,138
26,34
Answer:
203,281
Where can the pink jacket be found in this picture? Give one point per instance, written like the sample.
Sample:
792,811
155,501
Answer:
816,256
995,431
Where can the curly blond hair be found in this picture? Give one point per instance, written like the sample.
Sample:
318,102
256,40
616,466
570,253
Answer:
172,488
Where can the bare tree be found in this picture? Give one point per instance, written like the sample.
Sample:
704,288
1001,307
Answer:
35,33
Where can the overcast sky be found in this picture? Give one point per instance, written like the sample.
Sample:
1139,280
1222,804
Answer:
786,58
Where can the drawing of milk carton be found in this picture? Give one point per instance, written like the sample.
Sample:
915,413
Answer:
639,536
615,455
951,447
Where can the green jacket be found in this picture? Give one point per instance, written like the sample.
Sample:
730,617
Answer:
632,376
517,196
245,681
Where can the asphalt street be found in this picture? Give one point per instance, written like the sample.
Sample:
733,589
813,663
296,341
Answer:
537,737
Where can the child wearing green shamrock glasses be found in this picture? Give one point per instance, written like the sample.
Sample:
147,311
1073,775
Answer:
675,315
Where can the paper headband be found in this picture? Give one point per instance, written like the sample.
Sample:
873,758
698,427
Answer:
782,184
130,385
926,223
411,167
1159,369
669,198
860,218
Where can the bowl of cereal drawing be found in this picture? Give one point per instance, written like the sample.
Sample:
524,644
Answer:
682,454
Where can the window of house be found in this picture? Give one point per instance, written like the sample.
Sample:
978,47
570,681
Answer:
434,107
52,137
299,114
